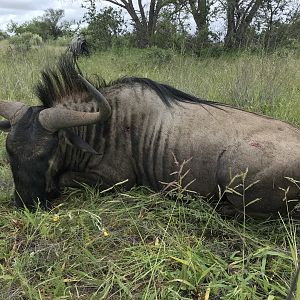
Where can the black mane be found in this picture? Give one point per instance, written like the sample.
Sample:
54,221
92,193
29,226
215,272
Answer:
62,81
167,93
57,83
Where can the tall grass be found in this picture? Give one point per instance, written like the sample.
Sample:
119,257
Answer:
137,244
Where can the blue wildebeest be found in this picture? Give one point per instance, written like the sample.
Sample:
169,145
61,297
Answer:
137,130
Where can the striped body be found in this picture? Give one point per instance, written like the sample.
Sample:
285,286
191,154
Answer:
145,141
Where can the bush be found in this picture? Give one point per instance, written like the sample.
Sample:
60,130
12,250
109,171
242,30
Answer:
157,56
105,28
62,41
36,40
3,35
25,41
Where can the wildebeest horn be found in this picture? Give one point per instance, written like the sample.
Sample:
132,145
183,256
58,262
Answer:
12,111
54,119
104,105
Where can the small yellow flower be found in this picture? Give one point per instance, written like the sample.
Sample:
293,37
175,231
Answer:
105,232
55,218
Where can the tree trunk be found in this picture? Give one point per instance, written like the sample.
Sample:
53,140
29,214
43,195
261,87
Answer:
142,38
231,27
238,22
200,10
145,26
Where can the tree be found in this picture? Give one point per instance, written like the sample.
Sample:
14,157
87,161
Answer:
200,11
104,26
275,21
143,15
50,25
171,28
51,20
239,15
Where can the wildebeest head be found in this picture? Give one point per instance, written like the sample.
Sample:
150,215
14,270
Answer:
33,139
30,148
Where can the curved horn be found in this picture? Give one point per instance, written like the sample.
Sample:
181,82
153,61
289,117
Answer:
12,111
54,119
105,108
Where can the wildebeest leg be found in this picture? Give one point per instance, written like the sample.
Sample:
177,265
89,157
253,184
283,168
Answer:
262,199
76,179
254,183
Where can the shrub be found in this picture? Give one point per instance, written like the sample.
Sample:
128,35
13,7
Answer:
25,41
3,35
157,56
36,40
62,41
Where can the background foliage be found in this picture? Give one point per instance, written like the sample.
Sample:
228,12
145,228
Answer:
188,26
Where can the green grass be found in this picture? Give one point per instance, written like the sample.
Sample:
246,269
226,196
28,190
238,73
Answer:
138,244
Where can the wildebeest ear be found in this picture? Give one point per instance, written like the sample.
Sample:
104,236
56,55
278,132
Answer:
5,125
76,141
